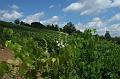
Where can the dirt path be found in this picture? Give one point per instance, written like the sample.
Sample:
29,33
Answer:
5,54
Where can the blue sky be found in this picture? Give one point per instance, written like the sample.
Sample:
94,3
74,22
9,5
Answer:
99,14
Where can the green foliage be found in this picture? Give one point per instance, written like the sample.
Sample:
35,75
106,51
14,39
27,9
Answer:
107,35
6,34
57,55
69,28
17,21
4,68
37,25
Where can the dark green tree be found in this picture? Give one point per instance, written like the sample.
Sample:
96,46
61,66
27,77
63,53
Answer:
52,27
69,28
17,21
37,25
48,26
107,35
23,23
56,27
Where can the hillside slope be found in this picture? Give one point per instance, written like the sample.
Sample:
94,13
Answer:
57,55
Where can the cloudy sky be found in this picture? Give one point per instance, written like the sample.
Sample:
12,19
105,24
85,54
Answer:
99,14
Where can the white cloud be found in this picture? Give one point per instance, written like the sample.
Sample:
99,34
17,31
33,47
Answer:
53,20
34,18
14,7
37,18
73,7
105,25
101,26
51,6
116,17
9,15
88,7
62,24
95,23
98,24
115,29
80,27
116,3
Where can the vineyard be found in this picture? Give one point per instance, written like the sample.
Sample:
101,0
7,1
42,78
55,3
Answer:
47,54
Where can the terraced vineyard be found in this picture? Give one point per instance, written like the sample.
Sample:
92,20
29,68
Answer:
48,54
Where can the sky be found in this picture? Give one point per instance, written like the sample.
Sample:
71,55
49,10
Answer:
102,15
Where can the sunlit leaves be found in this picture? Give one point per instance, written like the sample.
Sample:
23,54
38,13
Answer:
53,60
57,55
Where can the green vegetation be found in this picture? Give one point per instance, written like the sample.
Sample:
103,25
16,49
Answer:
53,54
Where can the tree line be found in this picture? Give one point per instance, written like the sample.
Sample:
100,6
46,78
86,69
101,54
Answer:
68,28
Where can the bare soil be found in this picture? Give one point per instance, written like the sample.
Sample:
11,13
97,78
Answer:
6,54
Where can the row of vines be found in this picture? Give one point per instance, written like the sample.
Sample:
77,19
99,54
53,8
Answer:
56,55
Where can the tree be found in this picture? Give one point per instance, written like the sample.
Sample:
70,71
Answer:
69,28
17,21
37,25
78,32
23,23
107,35
52,27
56,28
48,26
